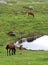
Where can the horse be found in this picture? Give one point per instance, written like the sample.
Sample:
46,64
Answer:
30,13
10,47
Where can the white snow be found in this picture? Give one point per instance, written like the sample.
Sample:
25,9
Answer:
38,44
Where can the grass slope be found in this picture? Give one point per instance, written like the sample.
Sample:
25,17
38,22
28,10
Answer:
11,19
27,58
18,22
22,23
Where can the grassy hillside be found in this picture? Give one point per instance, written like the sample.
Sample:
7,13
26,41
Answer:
27,58
12,19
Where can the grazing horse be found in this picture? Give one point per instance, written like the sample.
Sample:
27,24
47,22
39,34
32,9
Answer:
31,13
10,47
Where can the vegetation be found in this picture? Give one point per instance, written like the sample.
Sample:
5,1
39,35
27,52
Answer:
13,18
26,58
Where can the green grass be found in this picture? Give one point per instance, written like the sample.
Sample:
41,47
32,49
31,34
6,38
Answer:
30,0
11,19
22,23
27,57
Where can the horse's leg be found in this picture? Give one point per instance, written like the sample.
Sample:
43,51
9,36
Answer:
7,52
12,51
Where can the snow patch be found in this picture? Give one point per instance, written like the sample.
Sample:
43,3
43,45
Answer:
38,44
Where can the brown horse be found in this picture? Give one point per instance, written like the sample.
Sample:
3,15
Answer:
30,13
10,47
